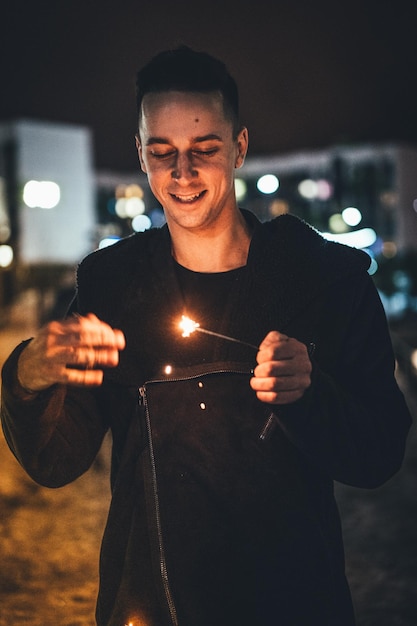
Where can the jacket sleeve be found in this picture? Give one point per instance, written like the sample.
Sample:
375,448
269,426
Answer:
353,420
55,435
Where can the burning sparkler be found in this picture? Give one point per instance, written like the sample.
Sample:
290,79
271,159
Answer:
188,326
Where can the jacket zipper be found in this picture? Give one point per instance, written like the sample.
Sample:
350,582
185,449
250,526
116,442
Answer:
172,379
162,560
265,433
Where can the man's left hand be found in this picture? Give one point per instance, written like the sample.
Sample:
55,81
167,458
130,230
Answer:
284,369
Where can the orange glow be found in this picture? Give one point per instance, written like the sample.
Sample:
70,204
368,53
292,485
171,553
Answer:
187,326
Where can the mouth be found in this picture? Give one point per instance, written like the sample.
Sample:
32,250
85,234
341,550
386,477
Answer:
187,198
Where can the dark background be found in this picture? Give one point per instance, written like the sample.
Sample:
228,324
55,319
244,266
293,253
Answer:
311,74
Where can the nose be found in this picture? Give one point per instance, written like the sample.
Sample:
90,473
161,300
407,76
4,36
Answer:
184,168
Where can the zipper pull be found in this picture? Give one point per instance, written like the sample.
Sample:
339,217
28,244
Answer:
141,396
311,348
269,427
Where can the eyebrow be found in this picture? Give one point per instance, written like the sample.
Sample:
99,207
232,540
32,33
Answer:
163,140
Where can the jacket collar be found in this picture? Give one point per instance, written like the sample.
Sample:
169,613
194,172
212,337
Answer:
289,264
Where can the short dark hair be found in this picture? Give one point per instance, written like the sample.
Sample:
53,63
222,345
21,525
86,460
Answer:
184,69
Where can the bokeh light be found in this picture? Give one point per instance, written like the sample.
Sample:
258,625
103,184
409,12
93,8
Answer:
389,249
352,216
157,217
363,238
108,241
240,189
315,189
268,183
337,224
307,188
279,207
6,255
43,194
141,223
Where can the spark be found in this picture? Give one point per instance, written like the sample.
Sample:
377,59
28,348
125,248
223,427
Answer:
188,326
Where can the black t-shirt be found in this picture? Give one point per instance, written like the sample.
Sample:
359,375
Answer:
208,298
207,293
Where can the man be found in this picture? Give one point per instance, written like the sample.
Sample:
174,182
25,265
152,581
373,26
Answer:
224,454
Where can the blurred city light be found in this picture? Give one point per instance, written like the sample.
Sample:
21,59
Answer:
268,183
337,224
352,216
279,207
373,266
389,249
308,188
141,223
43,194
5,232
324,190
134,206
413,360
129,201
312,189
240,189
129,191
108,241
129,207
157,218
363,238
6,255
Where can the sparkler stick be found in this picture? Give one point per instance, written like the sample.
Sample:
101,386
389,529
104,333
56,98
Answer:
188,326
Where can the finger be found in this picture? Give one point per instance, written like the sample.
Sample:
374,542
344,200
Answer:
283,397
279,391
273,337
288,352
67,375
284,383
83,377
274,350
89,357
285,367
96,332
88,330
98,337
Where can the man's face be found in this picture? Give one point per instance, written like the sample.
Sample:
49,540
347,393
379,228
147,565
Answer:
186,148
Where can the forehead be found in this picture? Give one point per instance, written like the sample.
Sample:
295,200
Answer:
169,107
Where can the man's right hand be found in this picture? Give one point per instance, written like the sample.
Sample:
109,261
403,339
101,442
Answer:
73,352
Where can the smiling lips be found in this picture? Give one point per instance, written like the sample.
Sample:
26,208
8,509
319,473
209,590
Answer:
187,199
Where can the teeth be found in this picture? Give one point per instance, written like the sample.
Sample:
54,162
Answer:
187,198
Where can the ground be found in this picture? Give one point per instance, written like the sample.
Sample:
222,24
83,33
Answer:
50,540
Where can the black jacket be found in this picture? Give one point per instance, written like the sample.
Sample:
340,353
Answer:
223,510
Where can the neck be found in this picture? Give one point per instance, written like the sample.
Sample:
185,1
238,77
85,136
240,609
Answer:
211,251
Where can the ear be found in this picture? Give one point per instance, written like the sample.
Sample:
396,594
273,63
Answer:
140,155
242,142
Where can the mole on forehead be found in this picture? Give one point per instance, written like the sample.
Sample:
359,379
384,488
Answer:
196,120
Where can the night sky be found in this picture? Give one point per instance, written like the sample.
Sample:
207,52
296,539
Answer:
311,74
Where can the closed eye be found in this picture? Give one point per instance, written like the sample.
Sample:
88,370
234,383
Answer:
162,155
209,152
171,153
